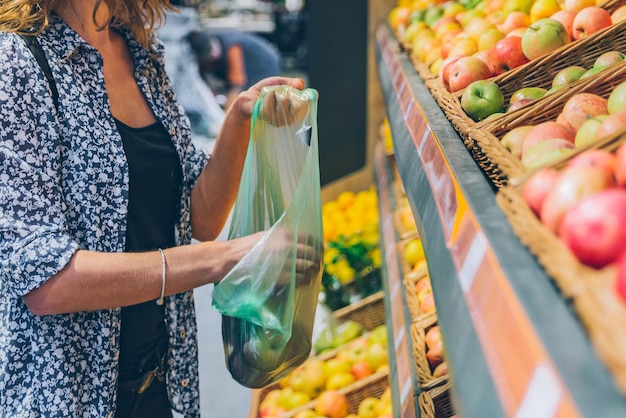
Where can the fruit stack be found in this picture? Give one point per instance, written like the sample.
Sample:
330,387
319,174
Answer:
572,216
429,352
354,371
557,125
497,61
352,257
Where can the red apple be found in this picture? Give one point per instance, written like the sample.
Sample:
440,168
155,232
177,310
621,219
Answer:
445,70
572,185
614,123
332,404
513,140
620,165
543,37
547,130
591,20
361,369
515,19
427,304
434,354
581,107
507,54
608,59
484,56
433,334
566,17
595,158
593,228
537,187
466,70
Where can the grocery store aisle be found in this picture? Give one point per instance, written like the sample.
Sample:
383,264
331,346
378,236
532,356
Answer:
220,395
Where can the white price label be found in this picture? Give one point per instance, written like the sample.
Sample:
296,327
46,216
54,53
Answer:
474,257
542,396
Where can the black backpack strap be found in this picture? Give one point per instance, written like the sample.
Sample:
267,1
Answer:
35,47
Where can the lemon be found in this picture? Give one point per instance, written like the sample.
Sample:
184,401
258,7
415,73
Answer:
413,252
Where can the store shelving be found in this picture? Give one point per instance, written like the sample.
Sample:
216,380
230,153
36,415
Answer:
514,346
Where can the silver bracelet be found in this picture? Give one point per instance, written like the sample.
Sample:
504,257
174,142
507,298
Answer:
163,276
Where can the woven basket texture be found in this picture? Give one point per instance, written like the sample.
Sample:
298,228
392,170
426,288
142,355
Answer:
410,280
589,291
425,377
369,311
488,135
436,402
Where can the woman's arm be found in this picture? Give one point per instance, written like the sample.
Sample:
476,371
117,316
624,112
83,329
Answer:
93,280
216,189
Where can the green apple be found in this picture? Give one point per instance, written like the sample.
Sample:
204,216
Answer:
554,89
568,75
527,93
542,37
609,58
433,14
482,98
587,132
617,98
591,72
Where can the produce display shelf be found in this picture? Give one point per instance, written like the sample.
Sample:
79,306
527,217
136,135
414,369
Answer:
514,346
405,390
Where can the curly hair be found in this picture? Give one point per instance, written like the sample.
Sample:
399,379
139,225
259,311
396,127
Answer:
141,17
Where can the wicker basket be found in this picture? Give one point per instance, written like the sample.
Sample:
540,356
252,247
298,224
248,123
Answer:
402,229
425,377
541,71
369,311
495,161
372,386
436,402
411,297
590,291
488,136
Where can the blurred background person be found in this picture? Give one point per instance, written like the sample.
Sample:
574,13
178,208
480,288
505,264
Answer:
232,60
201,106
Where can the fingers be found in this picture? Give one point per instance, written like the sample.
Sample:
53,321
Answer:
284,107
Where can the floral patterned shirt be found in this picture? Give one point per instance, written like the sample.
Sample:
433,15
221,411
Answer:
64,187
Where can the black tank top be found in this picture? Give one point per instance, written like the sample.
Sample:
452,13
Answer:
155,179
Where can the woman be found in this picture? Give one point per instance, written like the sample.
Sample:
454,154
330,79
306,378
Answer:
99,199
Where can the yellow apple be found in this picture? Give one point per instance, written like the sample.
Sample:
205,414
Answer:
543,8
367,407
339,381
335,366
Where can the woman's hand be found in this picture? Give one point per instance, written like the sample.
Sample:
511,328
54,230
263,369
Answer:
281,107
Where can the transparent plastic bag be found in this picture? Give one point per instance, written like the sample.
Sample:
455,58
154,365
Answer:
267,318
